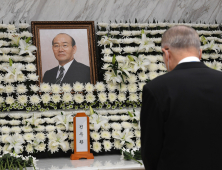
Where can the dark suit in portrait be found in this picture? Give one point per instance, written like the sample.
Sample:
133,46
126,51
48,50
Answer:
181,119
76,72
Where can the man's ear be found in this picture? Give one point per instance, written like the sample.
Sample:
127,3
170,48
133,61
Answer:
74,49
166,53
200,54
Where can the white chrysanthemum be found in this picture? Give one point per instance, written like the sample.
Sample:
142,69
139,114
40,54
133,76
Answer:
95,136
152,75
9,89
132,87
3,137
162,66
78,87
5,50
90,98
132,78
107,145
21,88
123,88
71,136
100,86
114,32
152,67
102,97
114,118
14,122
2,89
143,25
56,98
135,33
213,56
70,126
26,34
114,25
127,40
30,67
9,100
50,128
103,24
51,135
129,49
106,51
23,25
129,145
79,98
124,118
115,133
40,128
106,126
11,28
34,100
46,98
52,147
138,143
67,97
16,129
96,146
45,87
141,86
15,51
41,147
56,88
102,32
40,136
116,126
126,33
34,88
133,97
142,76
112,97
89,87
29,148
33,77
28,136
121,97
5,129
117,49
216,65
66,87
29,59
105,135
111,86
117,144
137,133
126,125
27,129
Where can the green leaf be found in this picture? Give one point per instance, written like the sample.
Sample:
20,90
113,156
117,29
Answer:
10,62
203,39
61,113
130,114
114,59
130,58
142,32
28,39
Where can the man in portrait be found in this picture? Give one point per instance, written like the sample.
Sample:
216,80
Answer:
69,70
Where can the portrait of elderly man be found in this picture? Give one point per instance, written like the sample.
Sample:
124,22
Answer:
69,70
181,115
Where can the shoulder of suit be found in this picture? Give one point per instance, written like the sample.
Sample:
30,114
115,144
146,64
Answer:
81,65
51,70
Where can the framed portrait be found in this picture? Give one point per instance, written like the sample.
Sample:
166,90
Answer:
65,51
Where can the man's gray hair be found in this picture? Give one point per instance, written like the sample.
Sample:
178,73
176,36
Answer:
181,37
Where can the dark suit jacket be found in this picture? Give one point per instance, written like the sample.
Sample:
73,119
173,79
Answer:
181,119
76,72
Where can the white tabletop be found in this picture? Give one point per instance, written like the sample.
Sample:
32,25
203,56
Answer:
98,163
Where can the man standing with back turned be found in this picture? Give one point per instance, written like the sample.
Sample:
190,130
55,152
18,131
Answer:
181,115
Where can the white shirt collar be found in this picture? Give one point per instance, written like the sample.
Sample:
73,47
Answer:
189,59
66,66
